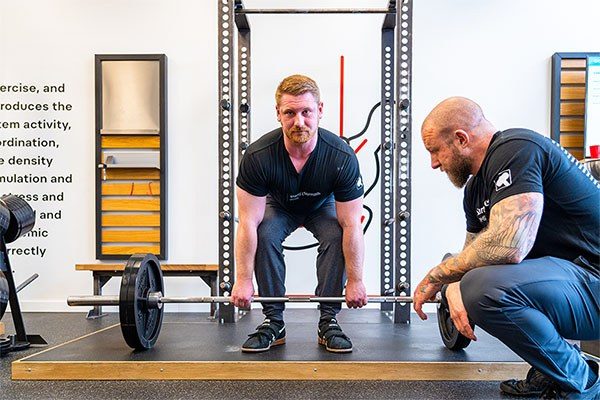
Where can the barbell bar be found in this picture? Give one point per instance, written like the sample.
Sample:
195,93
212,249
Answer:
141,298
155,300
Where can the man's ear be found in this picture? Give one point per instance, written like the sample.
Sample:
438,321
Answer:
277,113
462,137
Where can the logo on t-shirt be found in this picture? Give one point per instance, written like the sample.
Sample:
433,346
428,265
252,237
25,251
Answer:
359,182
503,180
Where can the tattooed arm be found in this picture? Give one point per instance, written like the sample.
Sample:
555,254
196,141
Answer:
513,226
469,239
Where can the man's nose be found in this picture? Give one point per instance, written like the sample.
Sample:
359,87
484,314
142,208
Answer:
435,163
299,120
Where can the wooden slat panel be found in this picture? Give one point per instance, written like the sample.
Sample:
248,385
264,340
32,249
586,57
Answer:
112,236
572,108
577,153
567,140
572,77
125,250
131,220
573,63
132,173
130,142
131,205
164,267
572,93
571,124
131,189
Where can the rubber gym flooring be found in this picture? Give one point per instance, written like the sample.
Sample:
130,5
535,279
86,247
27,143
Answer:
394,350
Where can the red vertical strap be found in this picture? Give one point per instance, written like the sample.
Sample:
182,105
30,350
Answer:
341,96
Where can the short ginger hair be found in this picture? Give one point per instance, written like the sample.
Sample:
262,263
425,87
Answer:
296,85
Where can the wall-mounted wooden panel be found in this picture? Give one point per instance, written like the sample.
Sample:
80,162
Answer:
572,109
572,63
131,189
126,251
571,124
570,140
131,174
131,205
131,152
569,77
150,235
129,142
568,100
572,93
132,220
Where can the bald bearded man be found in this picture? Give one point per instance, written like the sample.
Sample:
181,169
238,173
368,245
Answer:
529,270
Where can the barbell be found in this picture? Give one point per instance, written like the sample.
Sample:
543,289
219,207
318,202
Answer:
141,299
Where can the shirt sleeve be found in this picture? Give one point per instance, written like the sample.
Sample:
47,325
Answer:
515,167
349,185
251,176
473,223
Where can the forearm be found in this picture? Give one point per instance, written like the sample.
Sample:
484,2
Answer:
354,248
245,252
506,241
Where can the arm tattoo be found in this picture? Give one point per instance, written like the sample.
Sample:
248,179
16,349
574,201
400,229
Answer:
508,238
469,239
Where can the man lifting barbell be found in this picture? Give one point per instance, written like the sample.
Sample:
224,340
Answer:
297,175
529,270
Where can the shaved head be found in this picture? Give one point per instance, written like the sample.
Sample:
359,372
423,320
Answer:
456,134
452,114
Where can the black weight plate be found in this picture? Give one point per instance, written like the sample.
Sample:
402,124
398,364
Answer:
4,219
22,217
139,323
5,343
452,338
4,292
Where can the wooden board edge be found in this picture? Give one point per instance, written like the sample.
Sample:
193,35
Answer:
274,370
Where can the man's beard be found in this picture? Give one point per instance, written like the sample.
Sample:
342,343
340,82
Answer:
299,135
460,171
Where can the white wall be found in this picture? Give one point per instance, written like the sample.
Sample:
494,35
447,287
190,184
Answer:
496,52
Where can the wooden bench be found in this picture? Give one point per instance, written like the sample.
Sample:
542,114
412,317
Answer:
103,272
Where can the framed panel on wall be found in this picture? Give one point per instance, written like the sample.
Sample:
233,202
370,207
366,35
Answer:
131,155
568,101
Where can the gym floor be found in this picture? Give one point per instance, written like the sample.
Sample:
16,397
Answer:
58,328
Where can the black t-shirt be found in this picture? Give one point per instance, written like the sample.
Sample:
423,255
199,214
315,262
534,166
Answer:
331,170
520,161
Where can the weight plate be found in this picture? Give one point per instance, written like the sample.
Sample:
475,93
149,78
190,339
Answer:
22,217
4,292
5,344
452,338
140,324
4,219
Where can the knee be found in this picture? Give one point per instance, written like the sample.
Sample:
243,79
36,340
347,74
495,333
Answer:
330,234
269,234
481,294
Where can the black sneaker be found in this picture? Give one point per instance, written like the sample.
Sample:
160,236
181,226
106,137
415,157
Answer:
592,393
534,384
269,333
332,337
